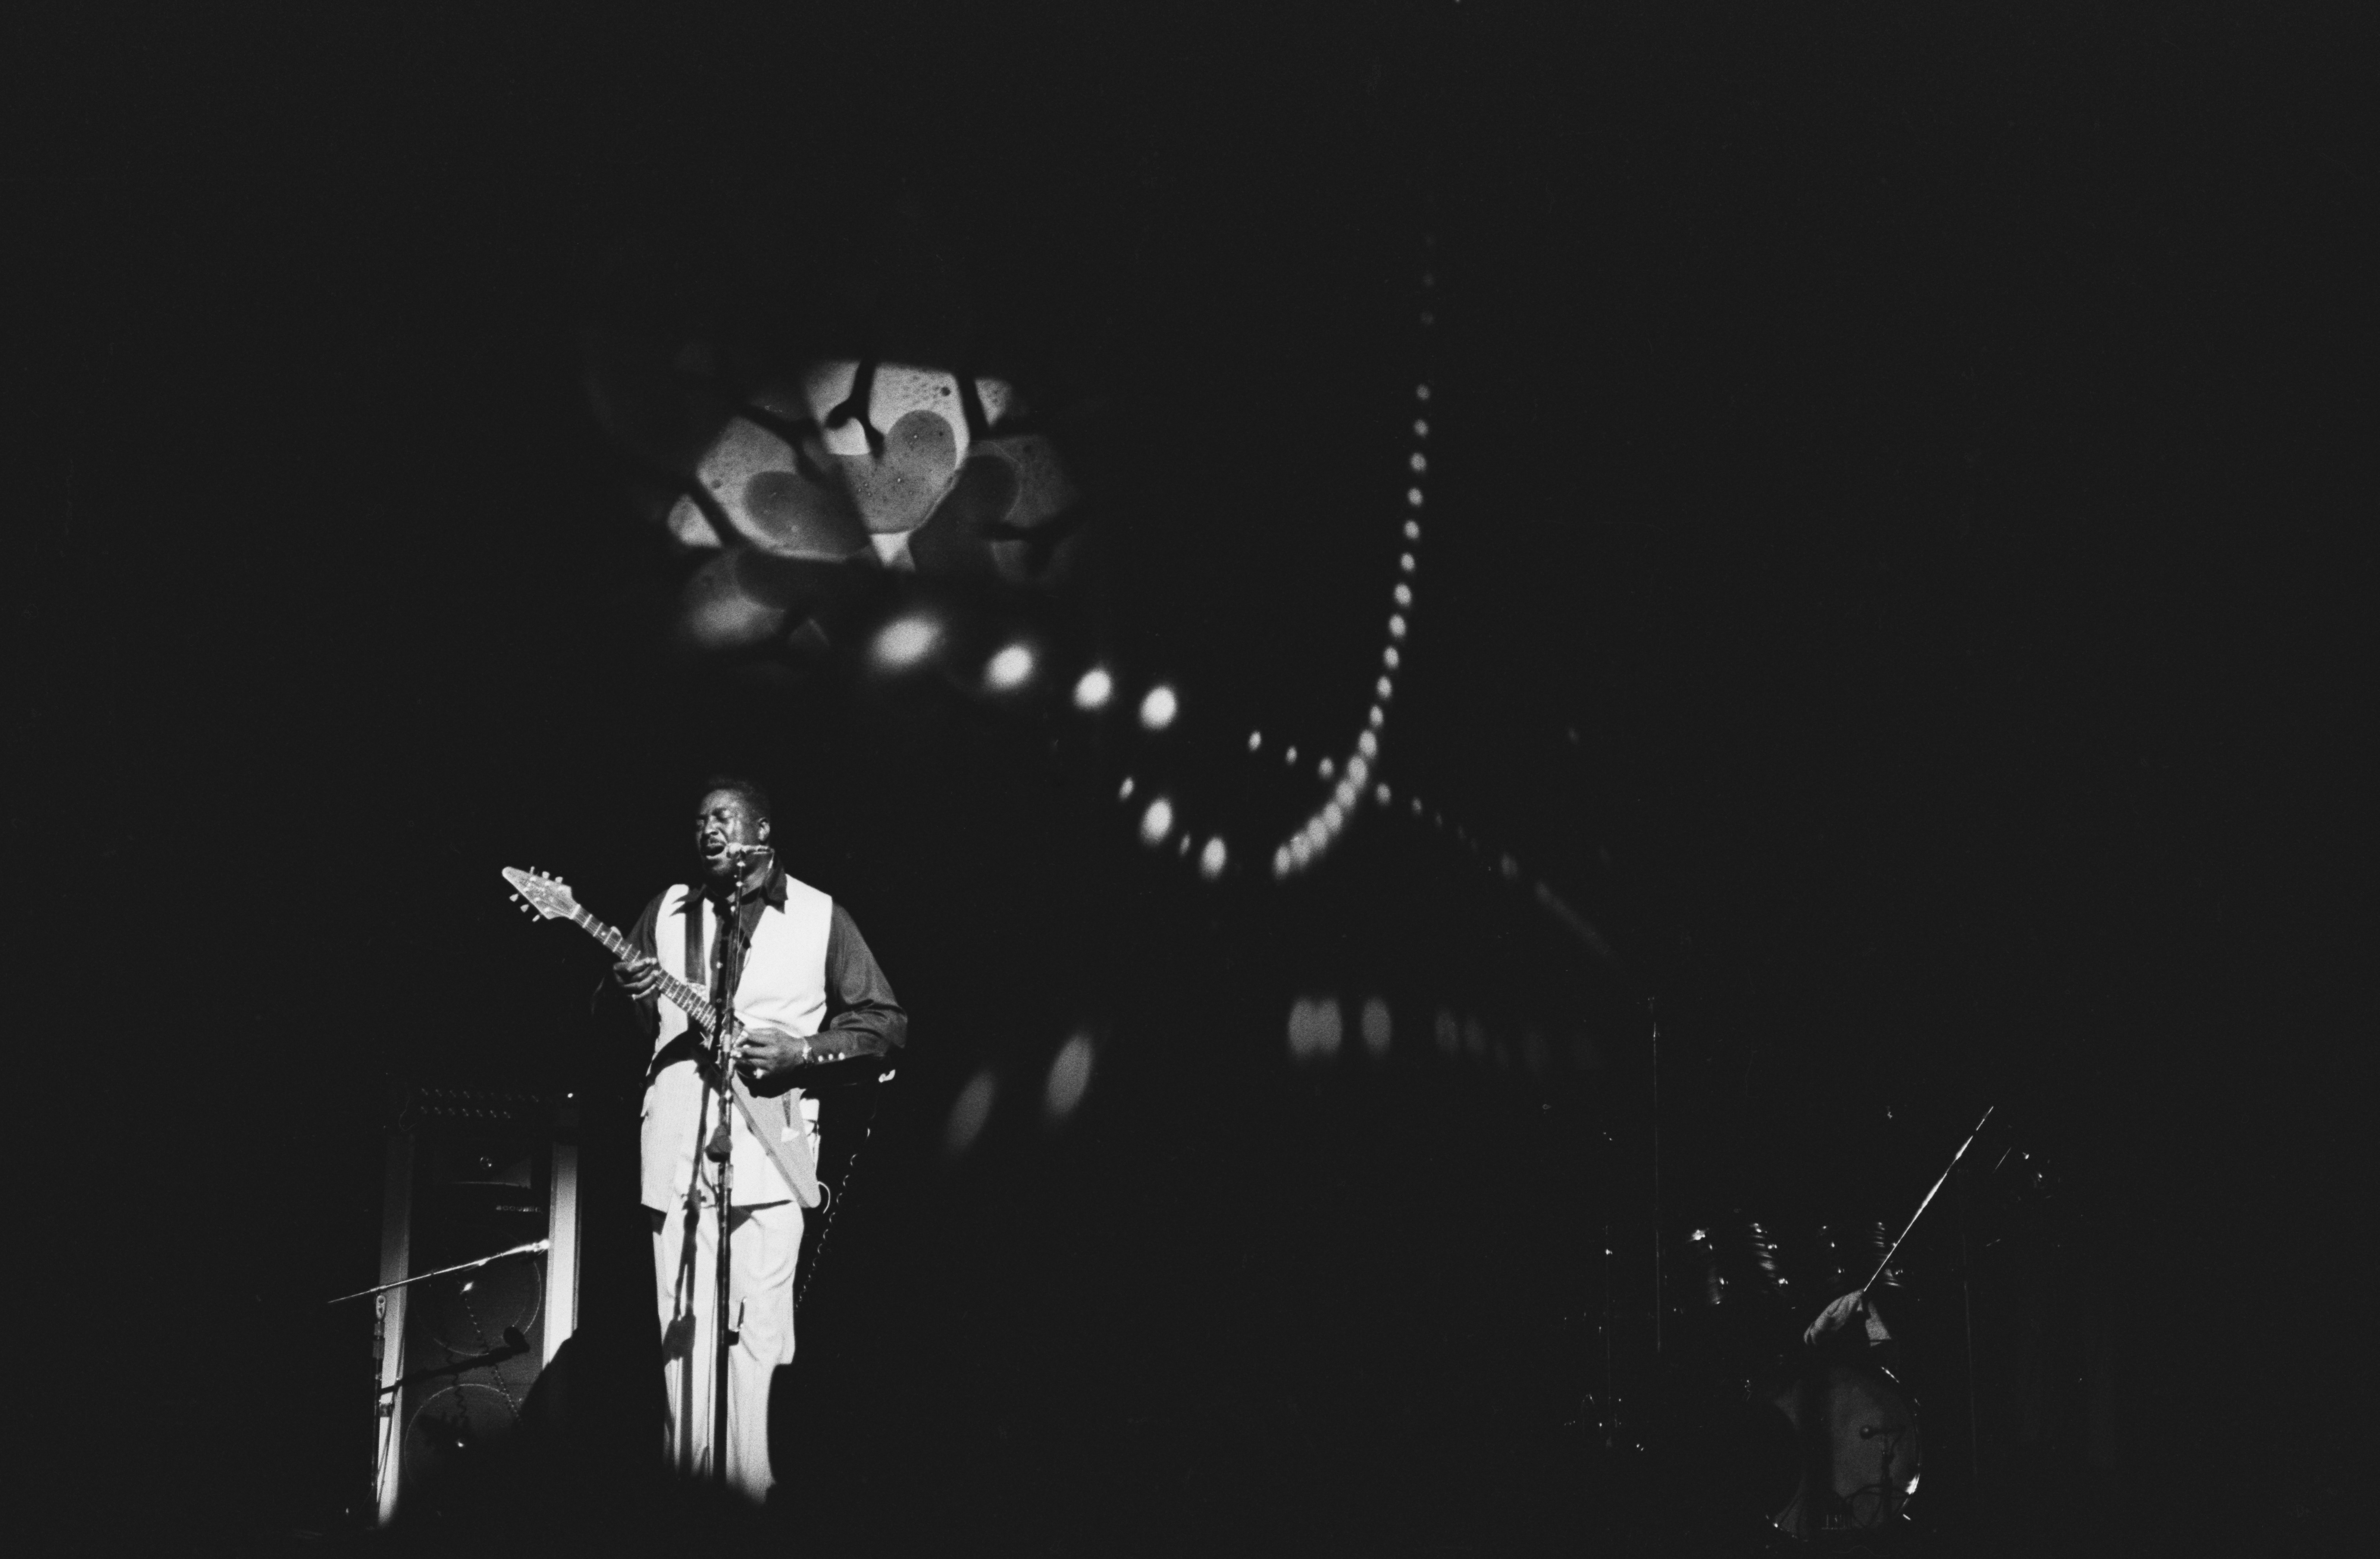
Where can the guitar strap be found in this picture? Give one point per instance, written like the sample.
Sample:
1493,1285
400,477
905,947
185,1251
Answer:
773,1121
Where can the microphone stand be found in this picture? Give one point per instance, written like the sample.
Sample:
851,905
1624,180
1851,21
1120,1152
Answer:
721,1150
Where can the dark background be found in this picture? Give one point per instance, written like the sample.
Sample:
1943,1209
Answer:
1895,562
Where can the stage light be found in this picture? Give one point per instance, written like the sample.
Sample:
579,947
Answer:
1377,1025
1094,688
1156,822
907,641
1008,668
1212,859
1156,710
969,1111
1070,1075
1314,1027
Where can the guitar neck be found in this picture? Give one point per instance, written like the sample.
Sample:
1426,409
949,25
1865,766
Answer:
687,998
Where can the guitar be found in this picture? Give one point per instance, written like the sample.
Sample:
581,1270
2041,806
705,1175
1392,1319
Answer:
551,898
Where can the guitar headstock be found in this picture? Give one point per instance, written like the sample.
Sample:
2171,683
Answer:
539,894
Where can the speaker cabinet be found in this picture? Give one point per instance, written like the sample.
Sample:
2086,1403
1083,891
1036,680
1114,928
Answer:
471,1174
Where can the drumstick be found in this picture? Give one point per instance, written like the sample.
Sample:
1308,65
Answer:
1929,1198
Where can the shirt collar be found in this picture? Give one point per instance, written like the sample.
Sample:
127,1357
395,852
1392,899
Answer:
771,891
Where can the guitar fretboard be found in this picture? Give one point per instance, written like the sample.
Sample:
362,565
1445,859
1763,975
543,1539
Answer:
688,999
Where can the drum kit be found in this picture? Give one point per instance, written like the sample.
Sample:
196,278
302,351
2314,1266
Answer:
1825,1439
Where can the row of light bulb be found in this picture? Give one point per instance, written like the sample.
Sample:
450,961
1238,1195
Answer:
1354,771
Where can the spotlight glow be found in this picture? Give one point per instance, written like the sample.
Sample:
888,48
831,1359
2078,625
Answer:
1314,1027
1008,668
907,641
1213,860
969,1111
1070,1074
1156,822
1094,689
1158,710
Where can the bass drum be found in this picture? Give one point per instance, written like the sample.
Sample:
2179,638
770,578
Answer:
1857,1449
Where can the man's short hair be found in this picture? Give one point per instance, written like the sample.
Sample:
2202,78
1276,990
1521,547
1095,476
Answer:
756,799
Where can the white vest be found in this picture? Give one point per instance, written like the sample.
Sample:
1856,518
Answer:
783,987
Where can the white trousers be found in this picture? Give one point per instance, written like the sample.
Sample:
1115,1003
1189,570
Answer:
762,1244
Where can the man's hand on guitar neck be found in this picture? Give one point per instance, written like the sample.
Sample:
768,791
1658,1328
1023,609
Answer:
640,978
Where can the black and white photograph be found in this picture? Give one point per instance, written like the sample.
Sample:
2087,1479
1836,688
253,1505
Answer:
1433,778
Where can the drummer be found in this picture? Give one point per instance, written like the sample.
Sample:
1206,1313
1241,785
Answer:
1834,1332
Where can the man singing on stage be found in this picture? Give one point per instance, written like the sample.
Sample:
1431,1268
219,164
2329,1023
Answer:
809,995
